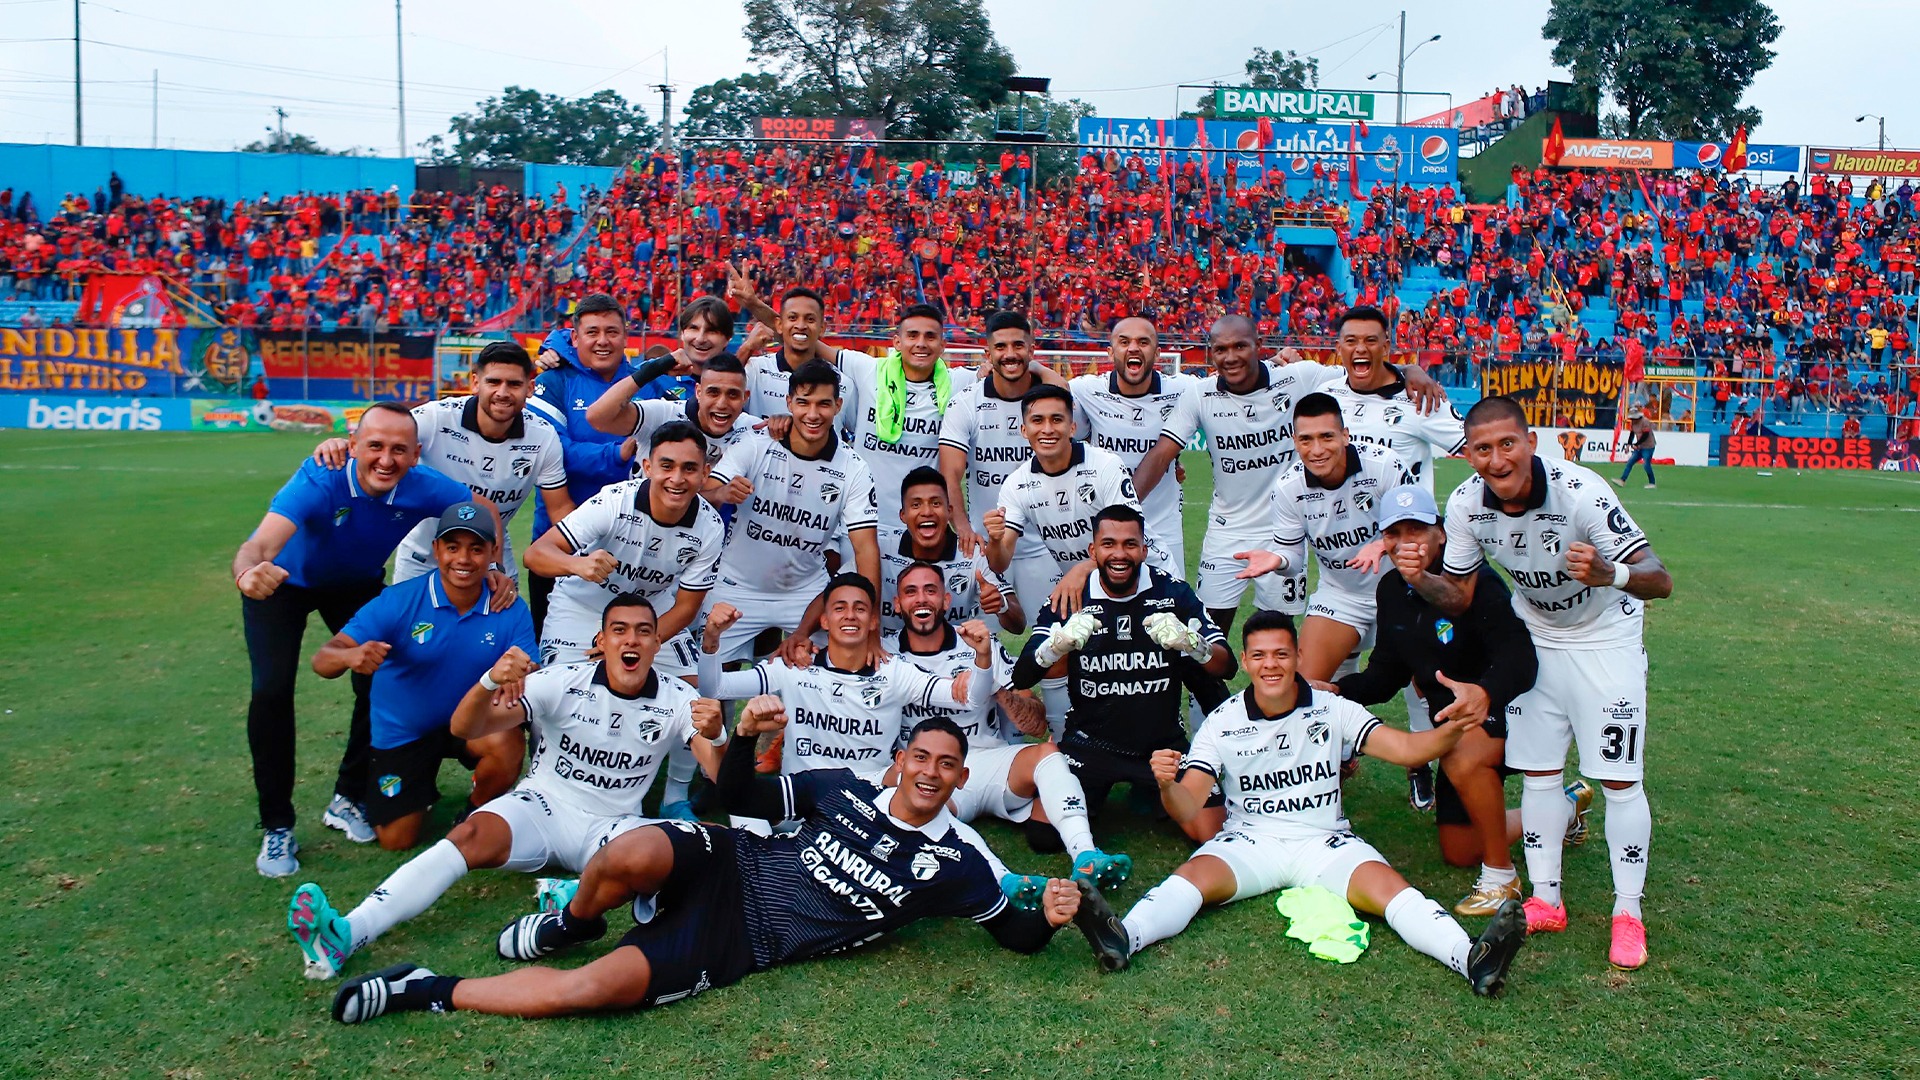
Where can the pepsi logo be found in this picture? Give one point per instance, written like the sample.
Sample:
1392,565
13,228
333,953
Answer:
1708,155
1297,165
1248,140
1434,150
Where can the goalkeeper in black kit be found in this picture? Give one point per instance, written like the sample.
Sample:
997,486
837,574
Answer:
727,903
1136,635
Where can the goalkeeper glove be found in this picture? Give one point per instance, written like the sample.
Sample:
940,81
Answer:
1168,632
1067,637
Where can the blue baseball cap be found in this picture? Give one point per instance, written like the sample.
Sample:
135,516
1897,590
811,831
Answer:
466,516
1408,502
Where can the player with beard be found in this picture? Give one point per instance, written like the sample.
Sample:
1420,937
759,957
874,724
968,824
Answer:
1118,654
864,862
1123,412
1028,784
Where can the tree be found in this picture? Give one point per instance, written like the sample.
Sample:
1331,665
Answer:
1673,69
524,125
923,66
726,109
1269,69
290,144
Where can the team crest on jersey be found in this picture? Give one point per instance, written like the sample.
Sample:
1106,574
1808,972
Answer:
829,492
884,847
1363,501
1317,733
1444,631
958,583
389,786
340,516
925,866
1550,542
421,632
870,694
648,729
522,467
686,553
1087,494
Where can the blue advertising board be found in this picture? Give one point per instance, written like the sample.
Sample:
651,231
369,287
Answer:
1761,157
1386,153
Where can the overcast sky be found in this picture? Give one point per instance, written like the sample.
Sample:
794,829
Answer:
224,65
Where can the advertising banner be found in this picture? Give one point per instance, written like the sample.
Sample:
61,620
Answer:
115,362
1868,162
1603,446
1761,157
1386,153
347,364
1555,394
1784,452
1240,102
58,413
228,361
1615,154
819,127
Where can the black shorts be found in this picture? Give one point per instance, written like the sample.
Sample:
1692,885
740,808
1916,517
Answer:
400,780
697,938
1099,768
1447,807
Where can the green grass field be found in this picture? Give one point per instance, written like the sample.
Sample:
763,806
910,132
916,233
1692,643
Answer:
1781,906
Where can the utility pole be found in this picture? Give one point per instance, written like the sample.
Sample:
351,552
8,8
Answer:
77,140
666,105
280,141
400,75
156,108
1400,76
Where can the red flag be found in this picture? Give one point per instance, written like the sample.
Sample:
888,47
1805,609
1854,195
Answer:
1363,129
1200,140
1555,146
1353,160
1736,156
1263,127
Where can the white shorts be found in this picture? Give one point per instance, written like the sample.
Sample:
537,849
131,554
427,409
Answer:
987,793
1346,608
1033,580
548,830
1596,698
759,610
1171,537
1262,862
563,645
1220,586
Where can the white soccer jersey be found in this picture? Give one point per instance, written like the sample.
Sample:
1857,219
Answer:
798,504
504,471
1336,522
1568,502
768,377
1281,774
655,559
986,427
957,569
919,441
1389,418
1128,427
1059,507
596,750
985,728
1249,436
842,719
656,412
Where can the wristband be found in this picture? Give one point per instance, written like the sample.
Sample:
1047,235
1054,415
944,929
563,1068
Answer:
486,681
1620,573
635,379
726,736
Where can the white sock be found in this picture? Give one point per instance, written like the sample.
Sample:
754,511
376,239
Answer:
1419,713
1165,911
680,768
1629,836
1497,875
1427,927
1544,813
1065,802
1054,693
407,892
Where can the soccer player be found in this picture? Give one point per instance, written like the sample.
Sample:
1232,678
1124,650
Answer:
592,356
715,405
865,862
1123,411
981,438
323,546
1029,784
799,324
1376,403
423,641
1582,573
1276,750
1246,410
1477,662
848,713
600,730
1325,501
1120,653
794,494
489,441
903,398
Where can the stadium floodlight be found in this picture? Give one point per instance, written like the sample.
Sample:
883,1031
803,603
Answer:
1864,117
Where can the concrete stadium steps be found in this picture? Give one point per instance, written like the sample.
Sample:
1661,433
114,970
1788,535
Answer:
49,311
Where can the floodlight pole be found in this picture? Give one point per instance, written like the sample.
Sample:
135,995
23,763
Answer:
77,141
400,74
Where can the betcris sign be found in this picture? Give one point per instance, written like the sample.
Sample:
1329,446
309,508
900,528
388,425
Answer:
1761,157
1386,153
95,414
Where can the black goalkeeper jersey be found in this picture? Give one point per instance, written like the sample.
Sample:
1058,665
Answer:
852,872
1123,690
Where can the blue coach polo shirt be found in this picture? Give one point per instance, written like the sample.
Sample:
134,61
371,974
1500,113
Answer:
345,535
437,653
